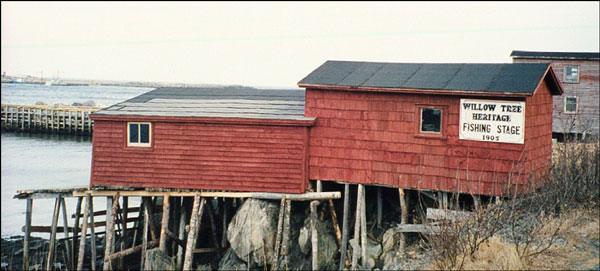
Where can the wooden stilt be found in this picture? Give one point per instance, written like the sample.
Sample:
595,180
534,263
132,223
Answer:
145,232
131,250
68,246
110,232
403,218
357,224
52,243
195,220
379,207
149,206
76,230
363,228
124,229
476,201
138,224
285,239
336,225
224,223
275,259
344,227
182,220
86,213
213,226
28,212
314,235
164,224
93,234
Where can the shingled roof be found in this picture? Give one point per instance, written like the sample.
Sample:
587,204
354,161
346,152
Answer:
510,78
556,55
222,102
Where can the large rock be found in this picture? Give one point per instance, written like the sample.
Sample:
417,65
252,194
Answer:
156,259
231,262
252,231
328,248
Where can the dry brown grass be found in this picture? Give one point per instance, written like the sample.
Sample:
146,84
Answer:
577,228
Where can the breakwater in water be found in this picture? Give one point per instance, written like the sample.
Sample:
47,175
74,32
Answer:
47,119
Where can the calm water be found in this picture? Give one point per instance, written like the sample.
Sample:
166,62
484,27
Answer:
37,161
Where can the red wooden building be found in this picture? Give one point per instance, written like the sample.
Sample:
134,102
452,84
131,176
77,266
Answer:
447,127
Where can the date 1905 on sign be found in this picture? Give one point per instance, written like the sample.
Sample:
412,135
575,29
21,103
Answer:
492,120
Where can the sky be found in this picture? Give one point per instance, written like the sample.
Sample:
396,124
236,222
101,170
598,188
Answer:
276,44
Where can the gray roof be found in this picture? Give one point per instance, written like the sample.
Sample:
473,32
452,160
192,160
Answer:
494,78
221,102
556,55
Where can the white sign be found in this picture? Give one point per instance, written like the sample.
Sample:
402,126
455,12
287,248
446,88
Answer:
495,121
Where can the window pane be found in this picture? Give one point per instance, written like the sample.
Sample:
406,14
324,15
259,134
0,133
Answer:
571,104
431,120
571,74
133,133
144,133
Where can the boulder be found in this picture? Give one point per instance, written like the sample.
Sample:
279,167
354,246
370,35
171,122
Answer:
231,262
328,248
252,231
156,259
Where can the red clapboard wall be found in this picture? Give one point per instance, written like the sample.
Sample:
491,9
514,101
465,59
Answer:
193,155
371,138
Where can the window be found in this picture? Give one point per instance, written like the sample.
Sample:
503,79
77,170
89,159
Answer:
571,74
138,134
431,120
571,104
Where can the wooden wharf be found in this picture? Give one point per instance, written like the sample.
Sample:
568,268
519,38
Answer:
47,119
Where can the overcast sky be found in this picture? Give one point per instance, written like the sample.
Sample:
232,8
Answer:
266,44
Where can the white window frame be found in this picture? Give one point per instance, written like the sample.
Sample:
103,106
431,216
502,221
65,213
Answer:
421,120
565,74
576,105
138,144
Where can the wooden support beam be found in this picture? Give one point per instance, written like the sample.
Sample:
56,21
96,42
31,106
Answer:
66,232
213,225
285,239
363,228
309,196
357,224
124,228
275,258
148,208
182,222
145,202
379,207
206,250
52,243
336,225
195,220
403,217
86,213
93,234
110,233
224,222
164,224
76,231
131,250
28,212
344,227
314,235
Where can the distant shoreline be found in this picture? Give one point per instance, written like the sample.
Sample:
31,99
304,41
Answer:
83,82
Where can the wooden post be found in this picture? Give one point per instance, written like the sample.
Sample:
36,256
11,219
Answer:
123,223
285,239
93,234
195,221
274,260
147,218
403,218
357,223
363,228
181,232
344,227
110,231
76,230
224,224
148,206
27,236
52,243
213,226
86,213
138,223
66,231
314,235
379,207
164,225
